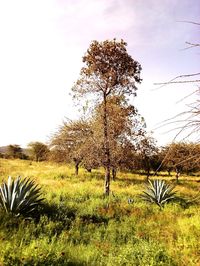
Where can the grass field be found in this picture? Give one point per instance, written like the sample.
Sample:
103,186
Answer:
78,226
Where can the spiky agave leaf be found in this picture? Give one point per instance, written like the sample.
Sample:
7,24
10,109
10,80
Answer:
20,196
159,192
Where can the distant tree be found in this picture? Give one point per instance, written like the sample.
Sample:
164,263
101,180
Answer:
165,163
147,151
109,70
38,151
15,152
74,142
124,157
182,158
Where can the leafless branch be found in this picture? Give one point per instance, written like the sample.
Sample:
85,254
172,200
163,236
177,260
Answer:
187,96
172,81
190,22
188,159
178,82
191,45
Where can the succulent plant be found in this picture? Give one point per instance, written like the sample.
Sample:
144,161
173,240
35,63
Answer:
20,196
159,192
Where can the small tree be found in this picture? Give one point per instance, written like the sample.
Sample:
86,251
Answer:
181,157
38,151
147,151
15,152
109,70
73,142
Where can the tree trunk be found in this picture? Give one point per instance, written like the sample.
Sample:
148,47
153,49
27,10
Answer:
147,166
177,175
36,158
106,149
76,168
148,174
114,173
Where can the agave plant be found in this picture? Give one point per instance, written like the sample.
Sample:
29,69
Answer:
20,196
159,192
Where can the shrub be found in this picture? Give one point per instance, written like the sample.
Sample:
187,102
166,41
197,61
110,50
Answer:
20,196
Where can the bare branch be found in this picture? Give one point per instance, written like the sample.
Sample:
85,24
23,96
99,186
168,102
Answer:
191,45
178,82
190,22
188,159
187,96
172,81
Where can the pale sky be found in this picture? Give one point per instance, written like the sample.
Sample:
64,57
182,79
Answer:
41,47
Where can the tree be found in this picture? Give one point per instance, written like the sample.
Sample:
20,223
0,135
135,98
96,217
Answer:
109,70
74,142
38,151
15,152
182,157
125,127
147,151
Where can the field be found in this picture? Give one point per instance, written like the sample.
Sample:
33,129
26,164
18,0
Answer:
79,226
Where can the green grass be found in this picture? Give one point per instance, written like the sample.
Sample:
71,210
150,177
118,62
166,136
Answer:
78,226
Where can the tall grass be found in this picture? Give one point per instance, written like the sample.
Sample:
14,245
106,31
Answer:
78,226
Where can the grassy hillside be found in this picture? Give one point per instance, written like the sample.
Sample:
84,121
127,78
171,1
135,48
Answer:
78,226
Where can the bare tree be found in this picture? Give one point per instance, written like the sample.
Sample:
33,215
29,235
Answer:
188,122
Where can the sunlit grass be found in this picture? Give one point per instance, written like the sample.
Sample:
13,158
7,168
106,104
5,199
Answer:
79,226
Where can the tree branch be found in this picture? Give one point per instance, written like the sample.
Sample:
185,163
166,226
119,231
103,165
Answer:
190,22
